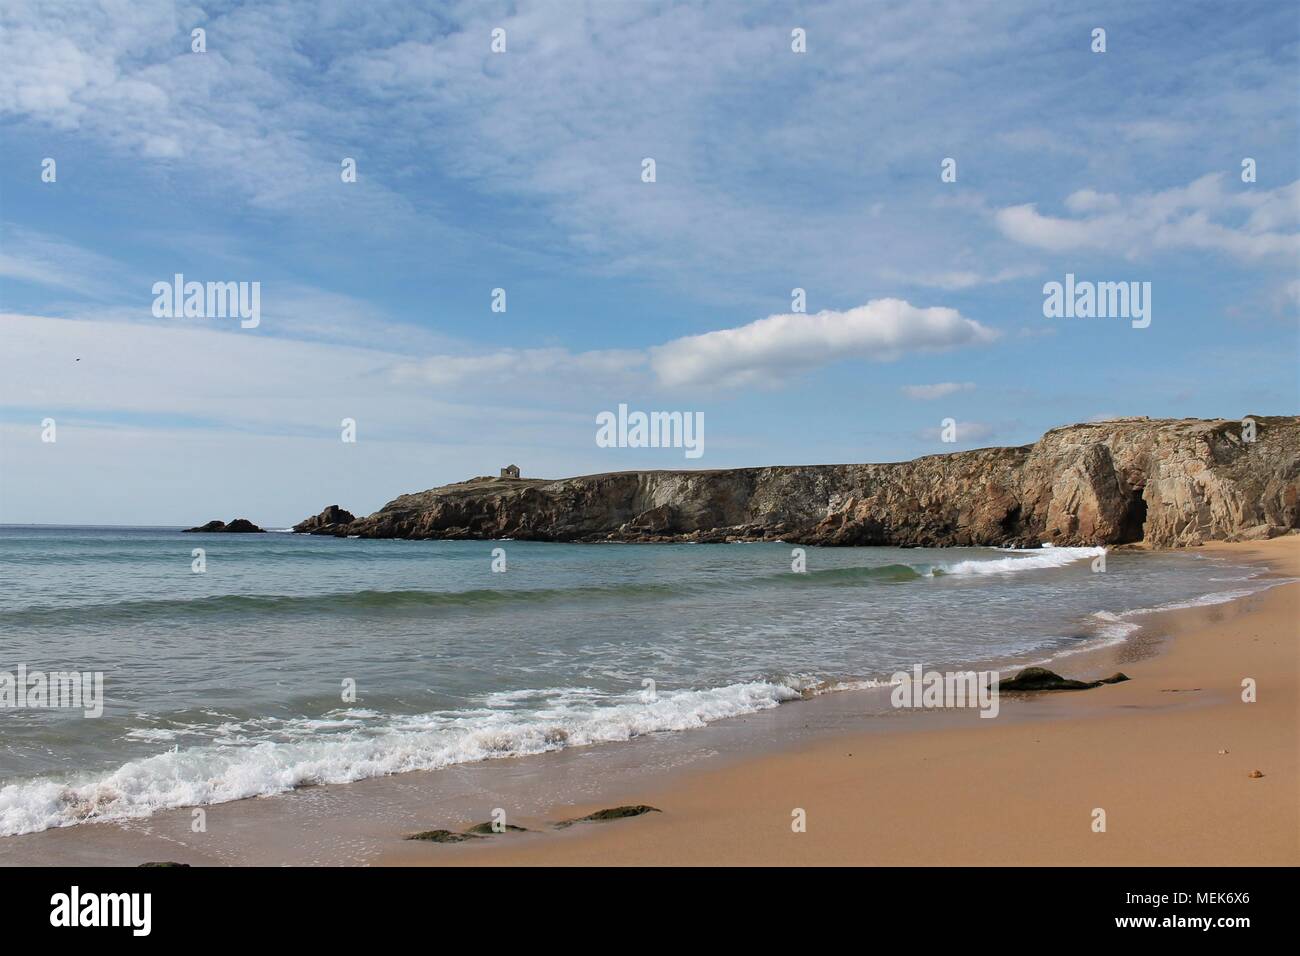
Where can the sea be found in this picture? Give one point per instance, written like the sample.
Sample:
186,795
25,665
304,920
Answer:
275,661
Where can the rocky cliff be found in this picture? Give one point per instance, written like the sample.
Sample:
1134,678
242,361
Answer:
1166,483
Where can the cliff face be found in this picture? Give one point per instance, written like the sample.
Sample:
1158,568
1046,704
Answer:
1167,483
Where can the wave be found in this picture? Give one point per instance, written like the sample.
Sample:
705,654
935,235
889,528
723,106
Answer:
1114,628
1036,559
336,602
1110,629
211,774
379,601
370,601
855,575
1207,600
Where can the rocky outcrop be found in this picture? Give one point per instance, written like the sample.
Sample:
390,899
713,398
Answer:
613,813
333,520
491,828
1162,482
441,836
238,526
1040,678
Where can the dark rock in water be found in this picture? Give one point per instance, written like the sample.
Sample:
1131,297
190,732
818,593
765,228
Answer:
613,813
441,836
1040,678
333,520
210,526
1166,483
165,863
244,526
238,526
485,829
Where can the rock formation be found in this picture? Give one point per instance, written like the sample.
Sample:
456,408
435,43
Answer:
1040,678
333,520
1161,482
238,526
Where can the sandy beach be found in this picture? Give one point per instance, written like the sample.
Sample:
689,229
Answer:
1169,757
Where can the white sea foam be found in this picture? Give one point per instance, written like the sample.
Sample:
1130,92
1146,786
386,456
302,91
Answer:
1112,628
865,684
1216,597
509,698
217,773
152,734
1033,560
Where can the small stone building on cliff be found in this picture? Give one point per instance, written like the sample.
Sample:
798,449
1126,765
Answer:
510,471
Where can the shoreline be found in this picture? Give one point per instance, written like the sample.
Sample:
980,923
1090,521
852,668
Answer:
694,778
1167,755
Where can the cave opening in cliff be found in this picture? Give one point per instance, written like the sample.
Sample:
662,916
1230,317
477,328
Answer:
1133,525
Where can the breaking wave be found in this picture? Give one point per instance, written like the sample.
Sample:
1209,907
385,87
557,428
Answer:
362,744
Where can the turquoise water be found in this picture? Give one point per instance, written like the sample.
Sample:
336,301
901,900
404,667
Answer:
229,683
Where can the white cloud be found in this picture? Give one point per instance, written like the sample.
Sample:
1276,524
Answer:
183,368
770,350
1247,223
765,352
938,390
123,77
48,74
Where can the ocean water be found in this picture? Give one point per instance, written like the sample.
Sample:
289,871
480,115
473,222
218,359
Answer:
230,683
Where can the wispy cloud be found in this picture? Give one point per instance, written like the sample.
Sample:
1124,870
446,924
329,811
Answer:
938,390
34,257
1246,222
533,369
957,279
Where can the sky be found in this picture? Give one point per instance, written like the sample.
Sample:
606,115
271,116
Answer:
524,170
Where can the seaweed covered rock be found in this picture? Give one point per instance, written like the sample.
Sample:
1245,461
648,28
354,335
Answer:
485,829
441,836
1040,678
613,813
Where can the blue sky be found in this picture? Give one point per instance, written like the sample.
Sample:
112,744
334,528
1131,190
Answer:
522,170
